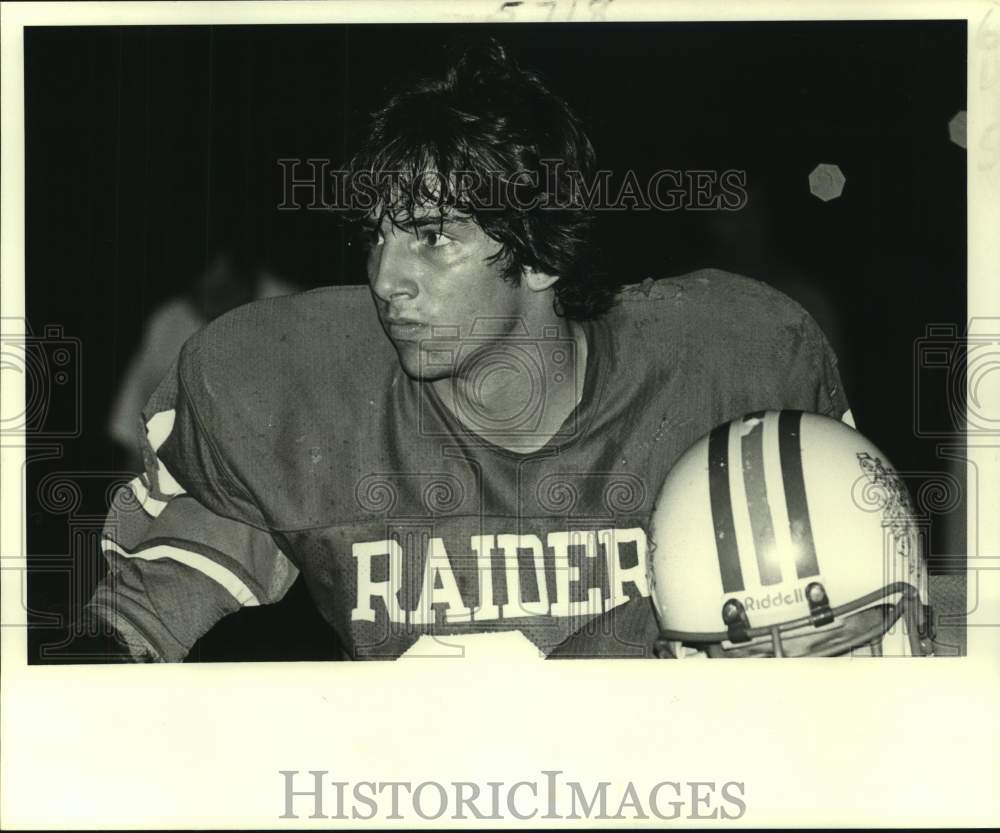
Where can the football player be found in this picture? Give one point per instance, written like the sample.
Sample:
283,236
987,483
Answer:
466,450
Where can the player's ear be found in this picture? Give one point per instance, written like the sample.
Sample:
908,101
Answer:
536,280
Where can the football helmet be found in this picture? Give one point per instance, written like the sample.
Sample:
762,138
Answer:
785,533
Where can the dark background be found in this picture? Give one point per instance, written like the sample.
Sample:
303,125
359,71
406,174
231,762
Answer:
148,146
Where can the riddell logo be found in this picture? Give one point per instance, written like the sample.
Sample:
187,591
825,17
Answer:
774,600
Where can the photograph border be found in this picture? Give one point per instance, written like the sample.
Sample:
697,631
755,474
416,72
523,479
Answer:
817,742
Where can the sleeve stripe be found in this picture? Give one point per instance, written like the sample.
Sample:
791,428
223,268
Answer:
151,506
158,428
196,561
165,481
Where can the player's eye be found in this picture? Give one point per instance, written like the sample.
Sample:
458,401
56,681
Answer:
371,236
433,239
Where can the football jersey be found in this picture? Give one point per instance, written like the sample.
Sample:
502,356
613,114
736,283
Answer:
288,441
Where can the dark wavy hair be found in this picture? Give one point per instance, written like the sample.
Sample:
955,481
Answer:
489,140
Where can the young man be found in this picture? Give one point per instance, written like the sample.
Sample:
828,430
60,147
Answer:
475,453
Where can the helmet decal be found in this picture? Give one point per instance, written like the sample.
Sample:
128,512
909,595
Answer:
891,496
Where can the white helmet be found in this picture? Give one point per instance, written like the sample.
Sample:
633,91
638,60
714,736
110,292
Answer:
786,533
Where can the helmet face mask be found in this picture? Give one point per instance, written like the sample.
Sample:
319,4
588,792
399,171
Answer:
858,632
796,542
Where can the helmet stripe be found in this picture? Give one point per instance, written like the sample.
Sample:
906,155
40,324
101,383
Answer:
722,510
752,451
790,451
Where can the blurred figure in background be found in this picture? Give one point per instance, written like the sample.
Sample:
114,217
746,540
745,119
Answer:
229,279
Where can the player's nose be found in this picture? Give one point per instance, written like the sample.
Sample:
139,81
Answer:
389,270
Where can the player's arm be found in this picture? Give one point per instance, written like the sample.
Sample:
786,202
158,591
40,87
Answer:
180,558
